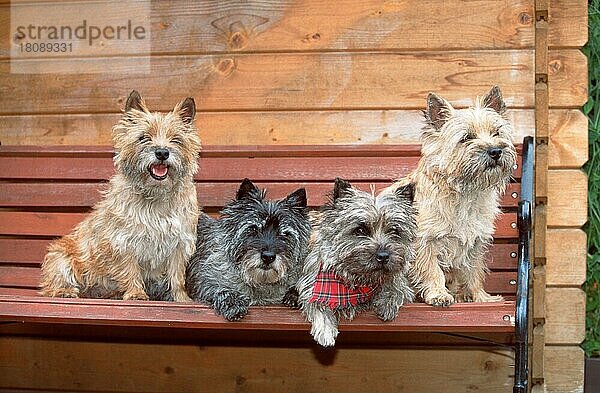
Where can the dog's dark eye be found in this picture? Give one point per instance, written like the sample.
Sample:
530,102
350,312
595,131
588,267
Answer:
253,229
177,141
396,232
361,230
144,138
496,134
467,137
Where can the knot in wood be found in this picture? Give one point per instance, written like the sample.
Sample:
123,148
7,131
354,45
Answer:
238,40
226,66
554,66
525,18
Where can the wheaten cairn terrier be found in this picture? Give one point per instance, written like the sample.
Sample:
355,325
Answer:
467,160
141,235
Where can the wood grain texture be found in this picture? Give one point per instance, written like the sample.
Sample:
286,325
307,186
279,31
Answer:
210,195
310,25
563,369
565,257
567,198
83,366
22,251
30,252
568,21
295,81
568,141
563,90
461,317
500,282
58,224
565,316
247,128
368,163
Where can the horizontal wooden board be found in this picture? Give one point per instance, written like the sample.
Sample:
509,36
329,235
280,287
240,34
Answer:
568,129
229,163
84,366
566,254
567,198
210,195
294,81
502,282
461,317
568,22
565,316
563,369
58,224
308,25
568,138
564,87
247,128
225,168
30,252
241,338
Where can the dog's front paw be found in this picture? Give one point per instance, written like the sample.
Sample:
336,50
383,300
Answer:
290,299
324,328
439,298
325,335
71,292
135,295
233,306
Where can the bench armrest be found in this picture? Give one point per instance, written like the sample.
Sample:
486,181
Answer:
522,302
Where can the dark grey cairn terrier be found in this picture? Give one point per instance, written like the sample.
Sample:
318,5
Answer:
252,255
360,251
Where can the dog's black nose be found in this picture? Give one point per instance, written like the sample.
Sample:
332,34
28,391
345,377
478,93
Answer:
495,153
162,154
382,257
267,257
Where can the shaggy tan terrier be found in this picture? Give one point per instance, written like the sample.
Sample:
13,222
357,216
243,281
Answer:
139,238
467,158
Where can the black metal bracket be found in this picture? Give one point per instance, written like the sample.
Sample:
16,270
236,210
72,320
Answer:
522,307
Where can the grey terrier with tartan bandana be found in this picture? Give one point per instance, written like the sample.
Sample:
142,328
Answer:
252,255
360,250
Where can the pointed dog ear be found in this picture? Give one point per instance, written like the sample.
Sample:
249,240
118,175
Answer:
493,100
247,189
340,188
407,192
187,110
135,101
297,198
438,111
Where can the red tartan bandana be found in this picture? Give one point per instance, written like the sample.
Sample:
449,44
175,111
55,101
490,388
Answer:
330,290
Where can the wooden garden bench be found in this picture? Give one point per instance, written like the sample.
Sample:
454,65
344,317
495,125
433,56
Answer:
45,191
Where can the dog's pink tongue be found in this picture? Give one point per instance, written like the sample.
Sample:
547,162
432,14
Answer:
159,170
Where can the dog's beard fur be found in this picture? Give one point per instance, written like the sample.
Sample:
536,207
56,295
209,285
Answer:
458,186
230,260
256,273
138,239
348,233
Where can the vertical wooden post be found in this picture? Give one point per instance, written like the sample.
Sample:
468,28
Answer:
541,194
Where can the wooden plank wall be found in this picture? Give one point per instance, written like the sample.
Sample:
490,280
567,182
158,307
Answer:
312,72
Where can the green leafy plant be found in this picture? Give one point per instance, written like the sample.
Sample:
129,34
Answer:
591,109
